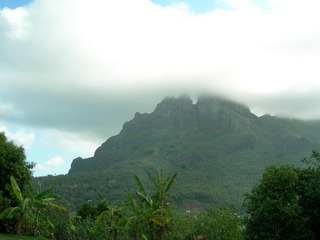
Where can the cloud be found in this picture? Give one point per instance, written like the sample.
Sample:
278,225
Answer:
19,136
7,110
290,104
51,164
81,67
71,142
15,21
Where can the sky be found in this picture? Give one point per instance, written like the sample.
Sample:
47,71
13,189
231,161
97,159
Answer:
73,71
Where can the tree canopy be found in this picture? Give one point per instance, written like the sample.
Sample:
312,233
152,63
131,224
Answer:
285,204
13,163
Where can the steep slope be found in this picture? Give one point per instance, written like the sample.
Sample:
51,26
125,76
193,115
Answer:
174,125
218,147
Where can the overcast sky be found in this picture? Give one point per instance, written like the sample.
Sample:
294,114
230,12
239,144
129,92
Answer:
73,71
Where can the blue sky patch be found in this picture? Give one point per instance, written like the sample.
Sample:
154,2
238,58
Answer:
199,6
13,3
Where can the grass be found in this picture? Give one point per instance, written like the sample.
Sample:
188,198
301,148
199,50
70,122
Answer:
18,237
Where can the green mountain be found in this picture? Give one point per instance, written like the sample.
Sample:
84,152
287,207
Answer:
219,148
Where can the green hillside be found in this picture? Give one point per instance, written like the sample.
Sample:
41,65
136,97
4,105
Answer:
219,148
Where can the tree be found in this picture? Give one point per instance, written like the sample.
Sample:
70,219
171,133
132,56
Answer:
309,192
313,161
285,205
87,210
274,206
13,163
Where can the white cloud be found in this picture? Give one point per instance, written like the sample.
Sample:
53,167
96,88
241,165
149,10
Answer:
125,46
51,164
84,68
16,22
20,137
81,143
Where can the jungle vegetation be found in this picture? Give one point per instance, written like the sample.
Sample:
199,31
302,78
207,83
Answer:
283,205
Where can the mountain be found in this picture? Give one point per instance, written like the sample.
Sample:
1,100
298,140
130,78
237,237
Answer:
219,148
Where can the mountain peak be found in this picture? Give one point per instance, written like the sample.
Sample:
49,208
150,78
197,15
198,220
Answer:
170,104
177,112
205,105
211,105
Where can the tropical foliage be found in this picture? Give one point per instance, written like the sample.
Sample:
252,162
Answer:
12,163
217,223
29,208
285,205
151,213
113,216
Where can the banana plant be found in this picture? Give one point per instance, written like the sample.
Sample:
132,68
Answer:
155,210
41,200
114,216
29,205
18,211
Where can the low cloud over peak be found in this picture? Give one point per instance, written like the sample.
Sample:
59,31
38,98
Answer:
87,67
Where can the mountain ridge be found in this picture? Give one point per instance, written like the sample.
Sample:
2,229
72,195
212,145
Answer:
219,148
177,113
